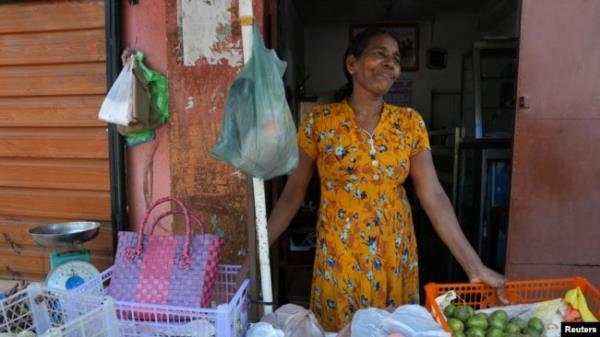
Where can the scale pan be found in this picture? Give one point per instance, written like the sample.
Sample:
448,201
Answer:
65,234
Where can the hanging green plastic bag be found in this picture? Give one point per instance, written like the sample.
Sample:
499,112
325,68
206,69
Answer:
158,85
258,134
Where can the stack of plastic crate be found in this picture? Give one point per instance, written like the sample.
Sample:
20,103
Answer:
38,311
227,317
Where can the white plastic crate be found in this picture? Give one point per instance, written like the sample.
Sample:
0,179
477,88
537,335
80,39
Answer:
45,312
227,318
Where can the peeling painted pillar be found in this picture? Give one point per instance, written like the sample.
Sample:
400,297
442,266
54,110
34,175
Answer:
203,57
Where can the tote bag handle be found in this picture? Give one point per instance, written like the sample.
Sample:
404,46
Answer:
194,220
188,230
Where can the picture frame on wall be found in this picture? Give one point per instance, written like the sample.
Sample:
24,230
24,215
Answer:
408,36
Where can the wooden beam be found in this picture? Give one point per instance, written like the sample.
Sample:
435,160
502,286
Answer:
45,203
57,79
53,47
54,143
51,15
70,174
51,111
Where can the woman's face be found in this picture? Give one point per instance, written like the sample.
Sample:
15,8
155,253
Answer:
377,68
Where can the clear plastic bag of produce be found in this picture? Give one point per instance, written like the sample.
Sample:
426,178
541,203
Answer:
258,134
409,320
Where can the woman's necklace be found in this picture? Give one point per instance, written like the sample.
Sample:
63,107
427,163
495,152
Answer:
370,120
370,135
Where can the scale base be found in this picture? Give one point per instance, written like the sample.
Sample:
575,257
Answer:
71,275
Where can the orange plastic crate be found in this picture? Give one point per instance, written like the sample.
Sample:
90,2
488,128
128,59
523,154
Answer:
481,296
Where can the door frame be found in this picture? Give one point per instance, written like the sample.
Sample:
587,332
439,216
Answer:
116,144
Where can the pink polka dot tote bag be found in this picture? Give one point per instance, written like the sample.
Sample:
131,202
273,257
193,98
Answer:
174,270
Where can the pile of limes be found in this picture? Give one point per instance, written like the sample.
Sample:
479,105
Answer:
464,322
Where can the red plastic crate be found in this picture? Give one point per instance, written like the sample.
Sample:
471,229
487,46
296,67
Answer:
481,296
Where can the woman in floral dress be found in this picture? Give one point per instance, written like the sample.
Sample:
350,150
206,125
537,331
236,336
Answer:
364,149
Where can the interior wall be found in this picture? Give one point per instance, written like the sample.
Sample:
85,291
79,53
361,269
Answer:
325,45
290,46
507,27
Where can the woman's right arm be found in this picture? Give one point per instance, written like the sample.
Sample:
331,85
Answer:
287,205
291,198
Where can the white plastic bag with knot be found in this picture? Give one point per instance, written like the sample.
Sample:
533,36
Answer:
295,321
262,329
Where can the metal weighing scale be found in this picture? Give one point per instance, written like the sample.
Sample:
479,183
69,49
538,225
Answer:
70,262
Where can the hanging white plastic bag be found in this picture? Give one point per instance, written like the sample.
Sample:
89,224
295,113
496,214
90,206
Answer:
258,134
118,104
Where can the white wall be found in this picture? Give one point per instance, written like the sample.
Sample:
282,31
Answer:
325,45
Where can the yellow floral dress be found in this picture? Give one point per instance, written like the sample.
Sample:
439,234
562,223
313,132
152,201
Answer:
366,249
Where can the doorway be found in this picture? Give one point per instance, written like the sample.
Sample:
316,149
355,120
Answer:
461,77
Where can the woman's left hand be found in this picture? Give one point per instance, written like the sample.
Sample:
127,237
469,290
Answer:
493,279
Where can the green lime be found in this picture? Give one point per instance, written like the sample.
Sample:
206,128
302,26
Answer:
462,312
536,324
500,315
458,334
521,323
455,324
512,328
475,332
477,322
531,332
496,322
449,310
494,332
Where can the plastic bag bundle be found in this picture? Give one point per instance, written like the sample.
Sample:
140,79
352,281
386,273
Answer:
295,321
258,134
138,100
156,111
261,329
408,320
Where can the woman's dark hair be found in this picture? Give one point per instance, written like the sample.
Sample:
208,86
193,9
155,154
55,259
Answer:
357,46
